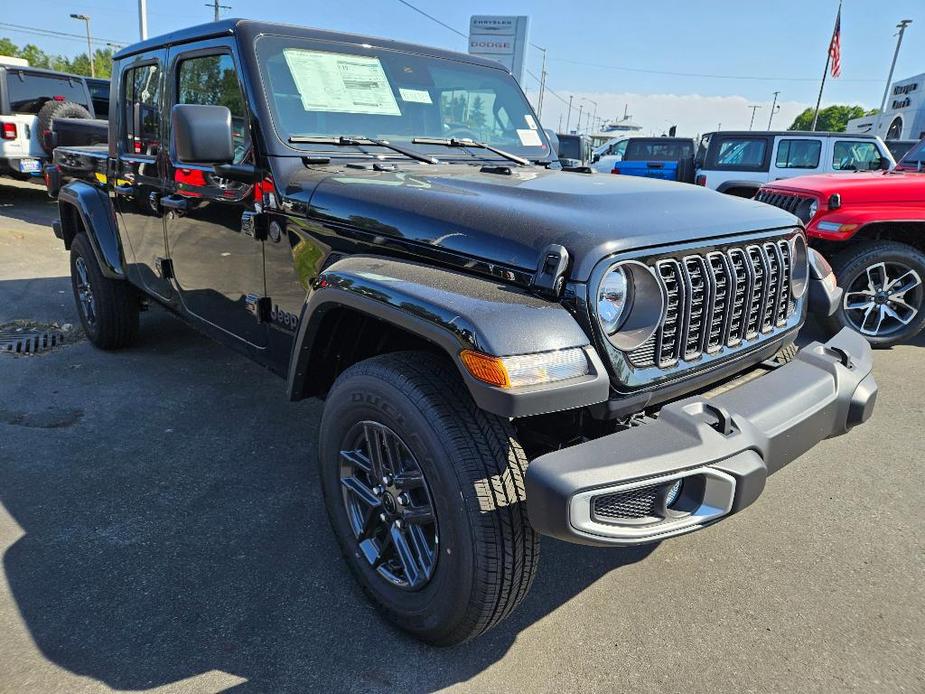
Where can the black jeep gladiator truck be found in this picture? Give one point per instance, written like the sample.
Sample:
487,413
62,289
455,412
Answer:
505,349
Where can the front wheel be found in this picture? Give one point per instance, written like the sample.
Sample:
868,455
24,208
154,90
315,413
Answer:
425,493
884,292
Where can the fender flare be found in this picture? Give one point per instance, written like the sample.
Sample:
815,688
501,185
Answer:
726,185
95,210
454,311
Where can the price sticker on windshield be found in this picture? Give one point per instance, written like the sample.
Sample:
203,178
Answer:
529,138
341,83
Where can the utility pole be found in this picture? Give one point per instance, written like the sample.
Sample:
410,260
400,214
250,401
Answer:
539,101
568,120
215,6
590,117
581,108
143,19
886,90
84,18
773,110
752,121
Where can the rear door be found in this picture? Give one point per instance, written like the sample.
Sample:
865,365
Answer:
219,269
797,156
137,166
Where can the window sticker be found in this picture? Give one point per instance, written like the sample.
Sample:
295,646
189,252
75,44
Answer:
529,138
531,122
341,83
416,96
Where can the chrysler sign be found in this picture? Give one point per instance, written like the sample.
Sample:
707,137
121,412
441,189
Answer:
503,39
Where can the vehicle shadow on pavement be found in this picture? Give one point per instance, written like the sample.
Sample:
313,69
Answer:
173,526
28,202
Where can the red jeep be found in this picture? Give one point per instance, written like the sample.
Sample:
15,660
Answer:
871,227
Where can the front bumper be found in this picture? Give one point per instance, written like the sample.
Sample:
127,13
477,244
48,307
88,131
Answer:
721,448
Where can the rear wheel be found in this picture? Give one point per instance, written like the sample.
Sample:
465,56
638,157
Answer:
425,493
884,291
108,308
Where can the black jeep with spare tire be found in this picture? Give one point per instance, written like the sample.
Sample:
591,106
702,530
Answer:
505,349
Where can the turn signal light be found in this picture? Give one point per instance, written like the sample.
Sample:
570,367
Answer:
486,368
526,369
9,131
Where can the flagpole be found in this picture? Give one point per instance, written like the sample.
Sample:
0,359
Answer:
825,72
821,87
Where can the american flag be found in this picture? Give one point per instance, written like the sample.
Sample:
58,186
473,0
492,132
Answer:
835,46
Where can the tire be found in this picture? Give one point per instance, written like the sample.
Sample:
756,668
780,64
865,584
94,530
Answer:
108,308
57,109
473,471
786,353
856,268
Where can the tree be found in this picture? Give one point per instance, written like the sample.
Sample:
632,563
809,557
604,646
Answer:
831,118
79,65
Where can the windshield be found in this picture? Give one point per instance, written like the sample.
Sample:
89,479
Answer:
316,89
913,159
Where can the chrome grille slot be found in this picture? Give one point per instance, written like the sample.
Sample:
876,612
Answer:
718,301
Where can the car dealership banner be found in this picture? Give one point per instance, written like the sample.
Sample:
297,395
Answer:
500,38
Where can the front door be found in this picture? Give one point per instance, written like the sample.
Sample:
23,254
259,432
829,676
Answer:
137,169
218,269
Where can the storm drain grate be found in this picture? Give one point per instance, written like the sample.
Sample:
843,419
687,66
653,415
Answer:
34,338
29,342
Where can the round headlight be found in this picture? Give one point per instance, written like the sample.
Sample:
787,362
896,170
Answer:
612,299
799,265
629,304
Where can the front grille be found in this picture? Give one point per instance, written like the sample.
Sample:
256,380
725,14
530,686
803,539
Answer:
792,203
634,503
719,300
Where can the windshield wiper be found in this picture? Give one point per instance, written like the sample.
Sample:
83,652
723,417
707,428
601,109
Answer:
466,142
347,141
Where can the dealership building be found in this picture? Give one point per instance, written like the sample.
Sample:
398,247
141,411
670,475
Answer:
903,118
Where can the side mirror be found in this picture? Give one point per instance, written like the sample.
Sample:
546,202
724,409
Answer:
202,134
884,164
595,159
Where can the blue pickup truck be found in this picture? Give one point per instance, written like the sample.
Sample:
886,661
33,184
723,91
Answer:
667,158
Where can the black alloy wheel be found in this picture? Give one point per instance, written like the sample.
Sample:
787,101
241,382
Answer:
388,505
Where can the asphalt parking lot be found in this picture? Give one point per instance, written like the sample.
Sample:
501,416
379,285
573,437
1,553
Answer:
161,529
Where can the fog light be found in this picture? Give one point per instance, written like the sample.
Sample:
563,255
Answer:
674,491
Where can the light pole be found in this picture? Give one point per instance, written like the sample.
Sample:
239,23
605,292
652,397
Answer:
568,120
143,19
84,18
581,107
752,121
889,78
774,109
590,116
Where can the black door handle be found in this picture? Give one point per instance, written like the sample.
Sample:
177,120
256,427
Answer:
174,202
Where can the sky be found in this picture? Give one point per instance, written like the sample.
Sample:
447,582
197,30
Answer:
721,56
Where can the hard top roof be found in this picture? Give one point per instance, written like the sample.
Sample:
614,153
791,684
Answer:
251,29
789,133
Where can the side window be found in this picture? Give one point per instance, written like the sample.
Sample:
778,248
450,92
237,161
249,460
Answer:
855,156
741,153
798,154
212,80
141,129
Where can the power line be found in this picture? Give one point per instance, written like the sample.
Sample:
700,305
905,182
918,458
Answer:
22,29
433,19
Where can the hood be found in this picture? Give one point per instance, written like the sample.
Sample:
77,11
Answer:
509,219
859,188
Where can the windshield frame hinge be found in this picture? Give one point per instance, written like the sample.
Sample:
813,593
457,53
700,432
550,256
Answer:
551,271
